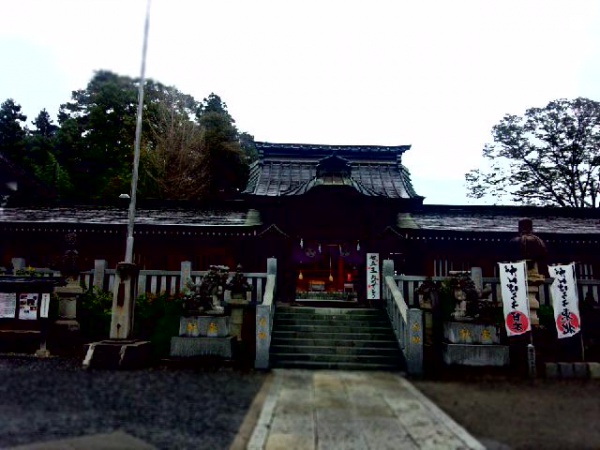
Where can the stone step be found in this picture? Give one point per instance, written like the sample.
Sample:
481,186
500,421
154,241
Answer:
335,341
334,350
331,328
335,338
318,357
345,321
363,335
328,311
328,365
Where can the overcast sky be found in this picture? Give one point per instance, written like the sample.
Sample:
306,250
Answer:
433,74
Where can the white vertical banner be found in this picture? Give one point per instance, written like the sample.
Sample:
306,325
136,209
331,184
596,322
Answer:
45,305
373,276
513,282
565,300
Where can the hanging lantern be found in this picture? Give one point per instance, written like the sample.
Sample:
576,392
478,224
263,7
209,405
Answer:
301,243
358,246
300,276
319,248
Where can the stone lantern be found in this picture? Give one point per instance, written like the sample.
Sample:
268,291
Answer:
69,294
533,250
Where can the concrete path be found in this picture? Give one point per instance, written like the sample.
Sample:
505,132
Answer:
108,441
328,410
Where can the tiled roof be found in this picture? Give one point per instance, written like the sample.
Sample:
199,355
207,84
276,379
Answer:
505,220
352,152
116,216
291,169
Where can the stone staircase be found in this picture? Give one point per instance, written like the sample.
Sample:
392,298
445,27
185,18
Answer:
334,338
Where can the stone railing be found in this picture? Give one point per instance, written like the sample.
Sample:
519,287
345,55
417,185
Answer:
264,317
407,322
164,281
408,284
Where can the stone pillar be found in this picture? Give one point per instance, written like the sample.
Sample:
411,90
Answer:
67,304
271,266
186,275
477,277
99,271
387,269
124,295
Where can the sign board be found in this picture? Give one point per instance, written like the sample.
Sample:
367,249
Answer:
8,305
373,277
28,306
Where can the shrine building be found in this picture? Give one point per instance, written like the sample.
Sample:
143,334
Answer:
319,209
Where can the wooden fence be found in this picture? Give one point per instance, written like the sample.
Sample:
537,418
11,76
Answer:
170,282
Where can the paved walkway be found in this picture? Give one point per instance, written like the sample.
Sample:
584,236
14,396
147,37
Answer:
325,410
352,410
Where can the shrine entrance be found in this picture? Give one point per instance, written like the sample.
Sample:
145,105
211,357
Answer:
329,271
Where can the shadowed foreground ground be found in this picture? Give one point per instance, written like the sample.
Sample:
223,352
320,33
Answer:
43,400
548,414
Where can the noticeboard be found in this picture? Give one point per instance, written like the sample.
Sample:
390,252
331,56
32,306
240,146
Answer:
8,305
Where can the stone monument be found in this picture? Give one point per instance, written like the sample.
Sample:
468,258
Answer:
204,329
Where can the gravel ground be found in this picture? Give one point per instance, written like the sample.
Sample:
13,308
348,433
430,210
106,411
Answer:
43,400
517,414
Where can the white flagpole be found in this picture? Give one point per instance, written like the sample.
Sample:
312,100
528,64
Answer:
137,143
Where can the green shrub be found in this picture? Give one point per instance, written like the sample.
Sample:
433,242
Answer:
93,313
157,320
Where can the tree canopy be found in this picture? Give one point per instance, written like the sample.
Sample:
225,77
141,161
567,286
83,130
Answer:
190,150
549,156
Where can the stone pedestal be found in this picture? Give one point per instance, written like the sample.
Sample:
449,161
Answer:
64,336
187,347
473,344
67,305
202,336
204,326
476,355
237,316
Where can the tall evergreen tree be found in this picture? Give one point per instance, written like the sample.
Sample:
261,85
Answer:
224,169
12,131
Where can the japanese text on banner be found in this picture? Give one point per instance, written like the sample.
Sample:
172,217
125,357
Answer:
513,282
565,300
373,276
